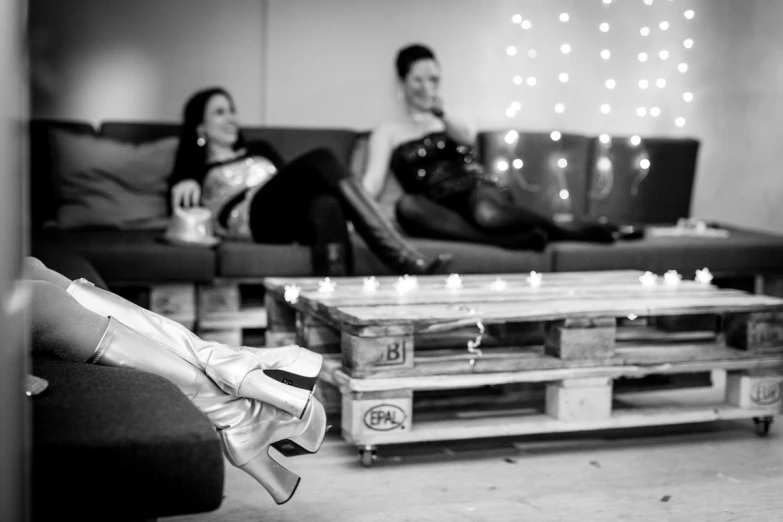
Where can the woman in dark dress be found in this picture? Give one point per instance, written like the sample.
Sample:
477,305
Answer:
255,196
447,194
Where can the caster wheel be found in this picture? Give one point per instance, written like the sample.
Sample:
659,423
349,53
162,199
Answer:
762,425
367,456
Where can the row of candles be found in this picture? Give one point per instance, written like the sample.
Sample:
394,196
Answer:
407,283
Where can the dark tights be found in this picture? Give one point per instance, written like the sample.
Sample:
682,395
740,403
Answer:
300,205
485,215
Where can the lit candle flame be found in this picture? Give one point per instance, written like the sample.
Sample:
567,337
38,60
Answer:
291,294
648,279
704,276
371,284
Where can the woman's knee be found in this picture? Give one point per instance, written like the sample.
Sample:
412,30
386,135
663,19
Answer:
410,207
32,265
486,214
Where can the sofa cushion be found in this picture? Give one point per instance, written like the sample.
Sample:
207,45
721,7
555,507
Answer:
624,188
102,182
42,204
744,252
119,441
293,142
72,266
468,258
541,184
132,255
138,132
252,260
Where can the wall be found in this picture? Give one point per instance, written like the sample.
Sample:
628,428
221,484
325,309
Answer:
139,60
327,64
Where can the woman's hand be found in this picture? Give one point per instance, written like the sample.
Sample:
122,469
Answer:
185,194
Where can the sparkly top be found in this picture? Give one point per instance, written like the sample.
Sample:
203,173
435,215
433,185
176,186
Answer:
228,189
436,166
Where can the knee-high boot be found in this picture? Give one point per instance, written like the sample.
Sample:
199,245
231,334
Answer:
381,236
283,377
247,428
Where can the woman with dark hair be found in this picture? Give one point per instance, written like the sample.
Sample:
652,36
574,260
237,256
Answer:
254,195
256,398
448,195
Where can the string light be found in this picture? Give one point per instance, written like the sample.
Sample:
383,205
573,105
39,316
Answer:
607,1
644,31
688,96
704,276
562,163
642,112
559,108
517,80
564,194
680,122
555,135
655,112
648,2
517,18
683,67
563,77
532,53
672,278
605,54
648,279
635,140
511,50
688,43
454,282
518,163
605,108
526,24
531,81
511,112
516,105
604,138
326,286
406,283
370,284
604,164
564,17
502,165
499,284
663,55
512,136
661,83
565,48
610,84
643,84
291,293
689,14
534,279
644,163
642,57
664,26
604,27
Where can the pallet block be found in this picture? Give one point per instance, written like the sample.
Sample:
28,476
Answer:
218,298
758,391
575,338
174,301
580,399
316,335
369,413
758,332
365,355
230,337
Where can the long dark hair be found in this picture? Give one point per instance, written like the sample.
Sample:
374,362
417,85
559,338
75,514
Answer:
409,55
191,158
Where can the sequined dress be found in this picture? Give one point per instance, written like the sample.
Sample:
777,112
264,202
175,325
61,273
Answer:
437,166
228,189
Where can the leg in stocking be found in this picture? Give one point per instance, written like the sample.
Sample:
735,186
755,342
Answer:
319,172
491,211
422,217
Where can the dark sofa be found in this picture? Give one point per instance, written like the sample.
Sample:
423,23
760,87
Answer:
597,179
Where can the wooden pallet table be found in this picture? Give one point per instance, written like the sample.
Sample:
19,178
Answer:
575,333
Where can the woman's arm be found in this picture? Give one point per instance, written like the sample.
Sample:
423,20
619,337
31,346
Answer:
457,127
379,150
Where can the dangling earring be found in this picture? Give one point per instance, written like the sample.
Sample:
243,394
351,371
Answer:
201,141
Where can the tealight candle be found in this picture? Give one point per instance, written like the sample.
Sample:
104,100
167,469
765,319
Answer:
454,281
291,294
499,284
326,286
704,276
672,278
648,279
535,279
371,284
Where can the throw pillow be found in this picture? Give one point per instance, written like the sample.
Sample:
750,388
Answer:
100,182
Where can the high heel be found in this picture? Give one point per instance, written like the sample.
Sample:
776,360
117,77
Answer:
380,235
247,428
283,377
